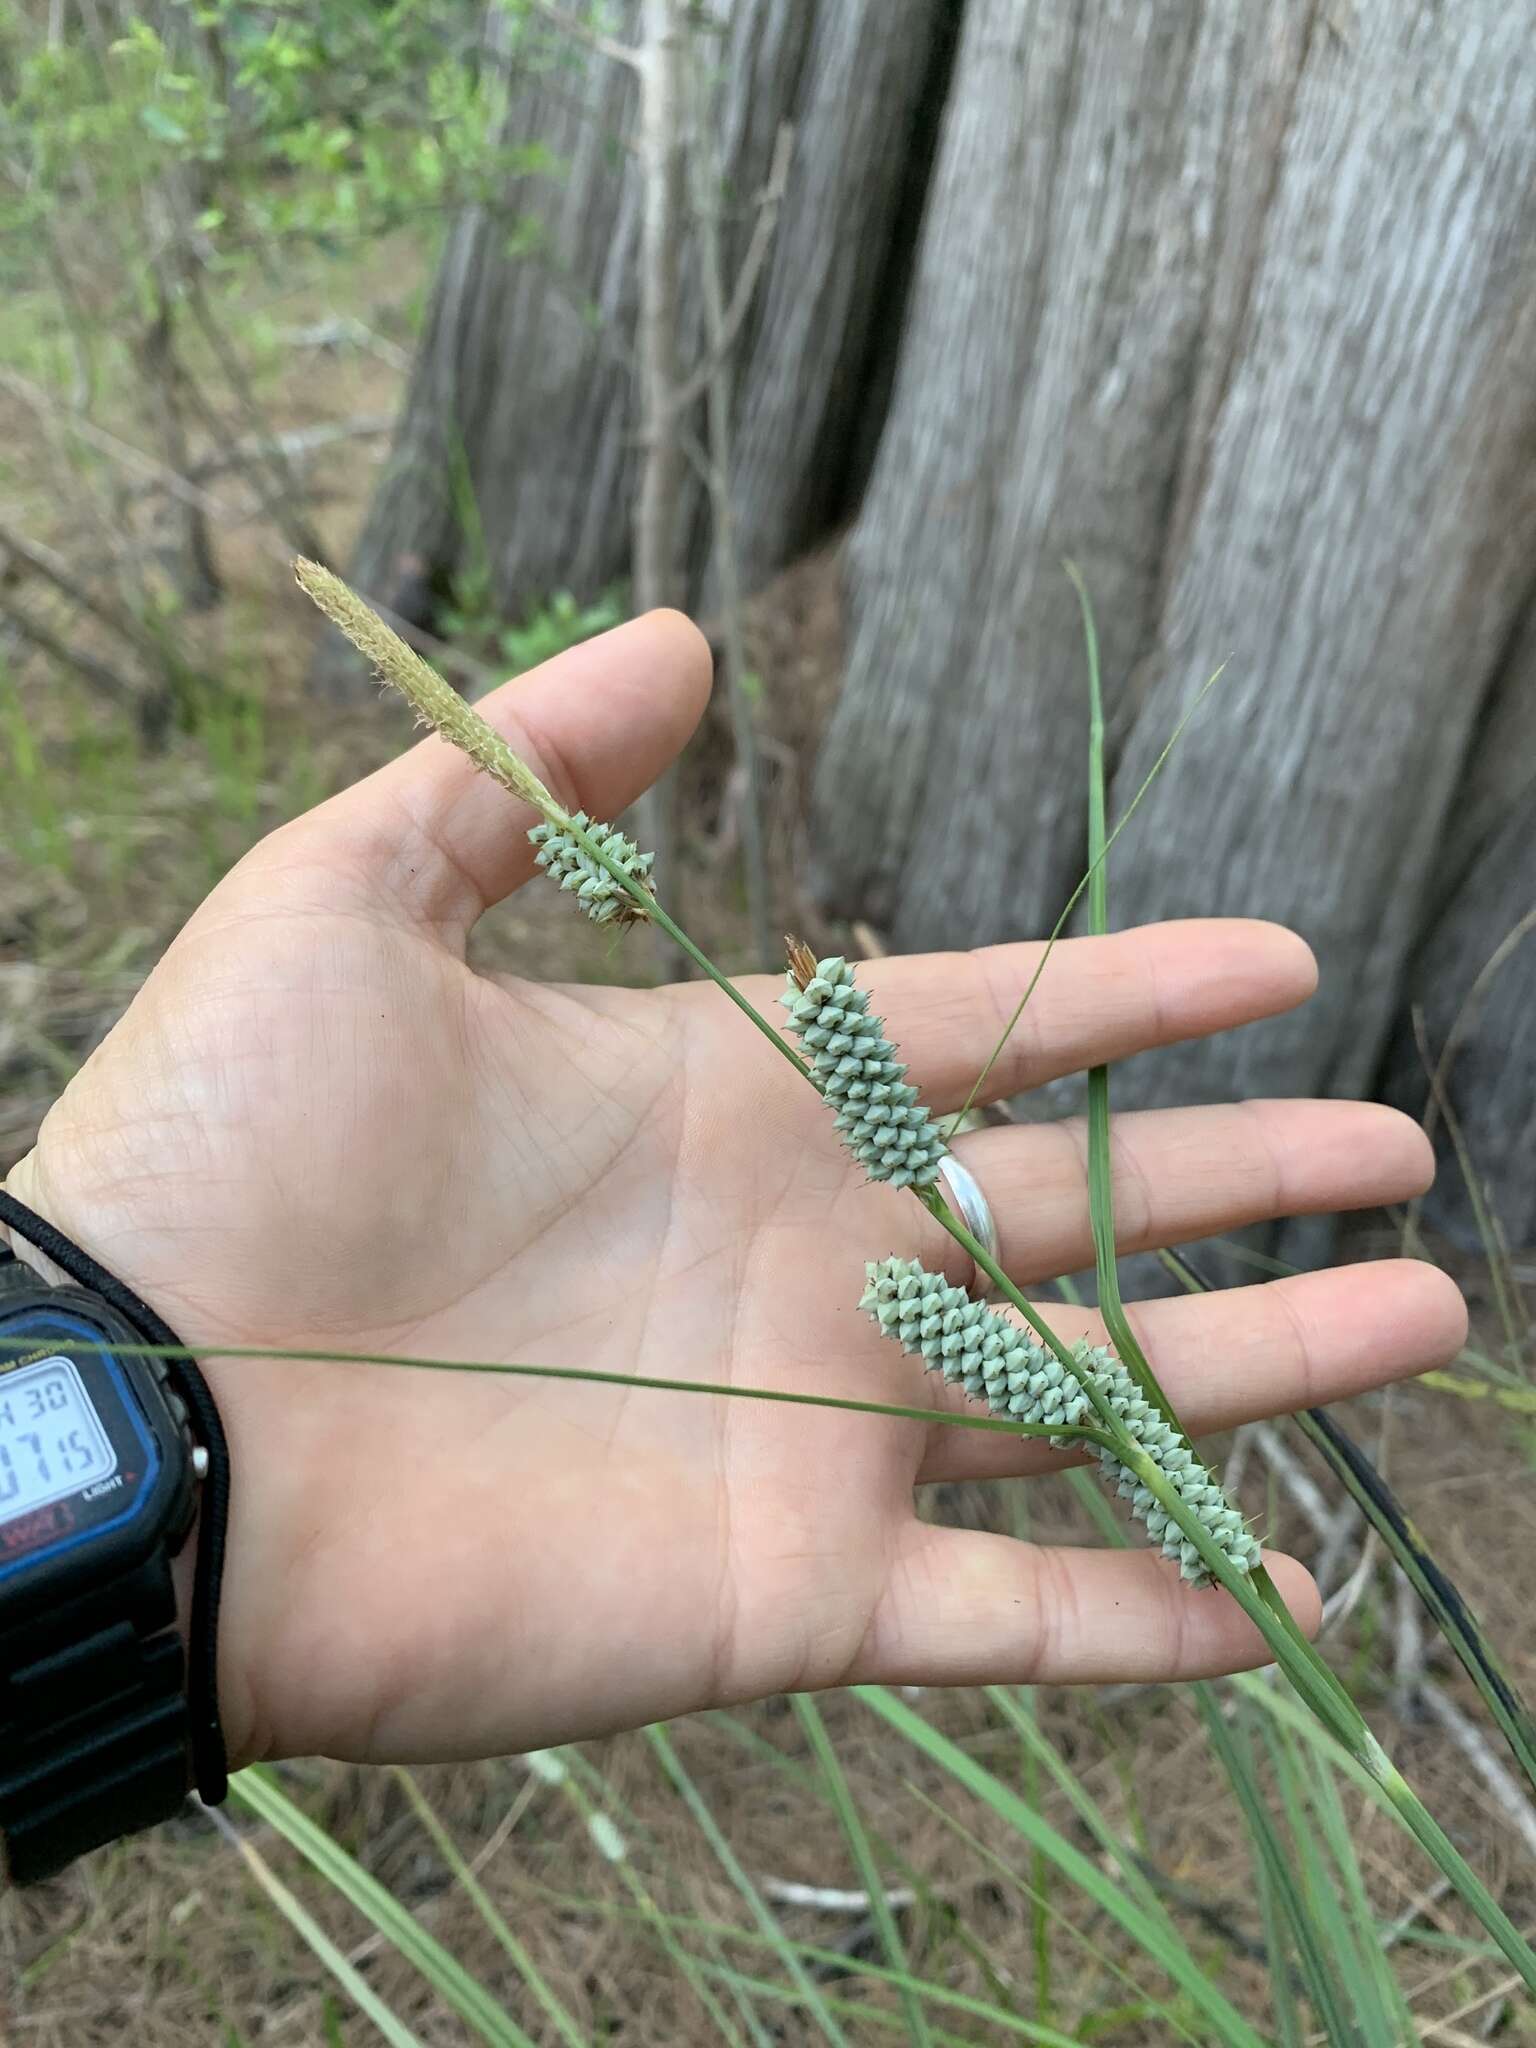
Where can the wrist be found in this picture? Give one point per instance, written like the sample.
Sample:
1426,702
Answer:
108,1709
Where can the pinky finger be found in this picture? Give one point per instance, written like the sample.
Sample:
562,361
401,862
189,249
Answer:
963,1608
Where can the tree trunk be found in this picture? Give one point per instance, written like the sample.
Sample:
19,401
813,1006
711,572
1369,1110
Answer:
661,268
1097,162
1473,977
1362,532
1235,307
522,398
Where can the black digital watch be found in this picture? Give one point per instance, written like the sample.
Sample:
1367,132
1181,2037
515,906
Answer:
99,1479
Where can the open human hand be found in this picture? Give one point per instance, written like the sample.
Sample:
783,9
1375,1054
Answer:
318,1129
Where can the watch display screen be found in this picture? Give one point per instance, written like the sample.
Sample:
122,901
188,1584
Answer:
52,1441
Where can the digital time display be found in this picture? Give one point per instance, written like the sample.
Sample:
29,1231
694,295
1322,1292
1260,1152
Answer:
51,1439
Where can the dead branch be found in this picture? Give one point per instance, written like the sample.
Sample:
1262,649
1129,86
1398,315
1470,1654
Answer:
590,38
723,340
102,678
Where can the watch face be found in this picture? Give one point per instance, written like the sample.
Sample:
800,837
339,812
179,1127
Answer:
52,1442
80,1440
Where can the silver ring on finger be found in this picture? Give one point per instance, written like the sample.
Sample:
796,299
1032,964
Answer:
963,1192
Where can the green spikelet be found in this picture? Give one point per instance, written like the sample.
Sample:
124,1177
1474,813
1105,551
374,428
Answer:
855,1066
601,895
1007,1367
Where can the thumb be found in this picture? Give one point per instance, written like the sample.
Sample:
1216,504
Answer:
598,724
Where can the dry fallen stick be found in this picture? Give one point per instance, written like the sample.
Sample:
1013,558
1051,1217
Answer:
1513,1804
823,1898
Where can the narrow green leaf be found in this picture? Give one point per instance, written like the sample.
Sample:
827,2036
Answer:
692,1971
564,2025
1279,1871
1390,2021
843,1804
1447,1606
462,1993
356,1986
731,1864
1149,1931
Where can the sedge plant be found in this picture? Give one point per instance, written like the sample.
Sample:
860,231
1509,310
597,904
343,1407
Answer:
1107,1402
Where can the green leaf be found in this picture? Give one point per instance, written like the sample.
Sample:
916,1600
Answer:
870,1876
163,126
1148,1930
461,1992
356,1986
522,1959
730,1863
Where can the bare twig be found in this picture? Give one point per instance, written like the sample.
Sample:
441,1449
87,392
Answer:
1447,2031
180,486
718,336
1294,1477
341,329
1511,1800
1407,1647
95,672
1339,1606
723,339
1333,1526
822,1898
54,570
589,37
660,64
283,504
1411,1915
295,443
165,384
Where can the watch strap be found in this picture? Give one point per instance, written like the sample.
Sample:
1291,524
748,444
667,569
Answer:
94,1743
209,1762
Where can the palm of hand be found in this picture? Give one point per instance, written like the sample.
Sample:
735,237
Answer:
319,1129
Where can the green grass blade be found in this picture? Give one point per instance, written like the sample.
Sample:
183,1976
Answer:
942,1995
258,1789
1150,1932
559,1771
1392,2022
564,2025
866,2015
1287,2006
1039,1915
1451,1614
1083,1804
1090,2016
731,1864
1344,2003
842,1800
1447,1607
1289,1926
1072,902
352,1982
1287,1920
581,1375
1312,1678
1100,1174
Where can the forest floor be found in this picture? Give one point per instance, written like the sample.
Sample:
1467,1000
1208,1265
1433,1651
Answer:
106,846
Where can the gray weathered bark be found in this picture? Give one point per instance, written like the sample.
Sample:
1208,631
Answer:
1473,975
524,379
1364,530
1236,306
1071,265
